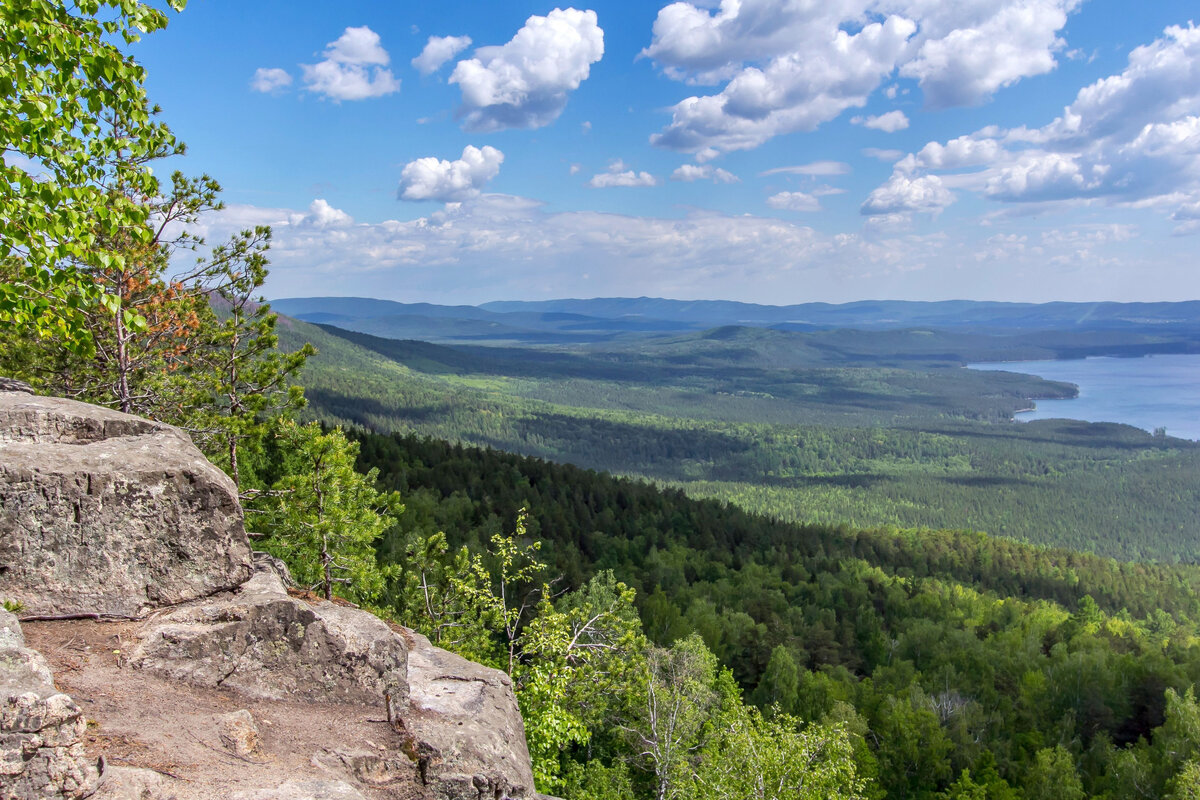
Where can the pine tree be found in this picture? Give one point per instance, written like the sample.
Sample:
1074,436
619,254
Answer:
245,374
323,517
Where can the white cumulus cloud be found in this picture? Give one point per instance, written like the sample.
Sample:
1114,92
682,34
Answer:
973,49
690,173
438,50
270,79
903,194
525,83
321,215
354,68
791,66
796,91
890,122
450,181
1132,138
618,175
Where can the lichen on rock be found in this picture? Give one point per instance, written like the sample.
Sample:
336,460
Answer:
104,512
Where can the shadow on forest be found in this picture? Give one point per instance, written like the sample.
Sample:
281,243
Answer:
1071,433
360,410
987,481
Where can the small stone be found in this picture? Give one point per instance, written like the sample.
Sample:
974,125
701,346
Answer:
12,385
132,783
304,790
239,734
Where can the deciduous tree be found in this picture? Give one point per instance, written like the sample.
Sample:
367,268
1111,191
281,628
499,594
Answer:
76,132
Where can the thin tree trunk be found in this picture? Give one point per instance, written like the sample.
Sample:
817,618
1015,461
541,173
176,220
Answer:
123,394
234,402
326,561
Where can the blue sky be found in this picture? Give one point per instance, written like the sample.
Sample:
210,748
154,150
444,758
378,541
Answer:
773,151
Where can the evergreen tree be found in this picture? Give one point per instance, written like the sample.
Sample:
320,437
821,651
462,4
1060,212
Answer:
241,368
323,517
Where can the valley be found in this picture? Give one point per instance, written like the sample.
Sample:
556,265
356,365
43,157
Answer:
867,427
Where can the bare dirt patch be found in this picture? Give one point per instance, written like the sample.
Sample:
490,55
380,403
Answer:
139,720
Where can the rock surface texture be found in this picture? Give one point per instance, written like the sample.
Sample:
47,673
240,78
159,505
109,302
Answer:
468,733
263,644
249,685
41,729
103,512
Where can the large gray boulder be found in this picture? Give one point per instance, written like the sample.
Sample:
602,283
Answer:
110,513
266,645
41,729
466,729
104,512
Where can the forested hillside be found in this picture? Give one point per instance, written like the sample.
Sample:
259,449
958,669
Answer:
863,446
960,664
619,319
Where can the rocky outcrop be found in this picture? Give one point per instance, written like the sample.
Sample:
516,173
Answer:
262,643
108,513
466,730
462,736
41,729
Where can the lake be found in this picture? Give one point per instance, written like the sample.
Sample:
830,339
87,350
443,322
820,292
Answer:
1151,392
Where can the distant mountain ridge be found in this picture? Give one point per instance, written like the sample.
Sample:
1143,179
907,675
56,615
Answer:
875,313
573,321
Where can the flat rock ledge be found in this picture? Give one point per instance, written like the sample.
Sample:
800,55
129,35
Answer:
264,644
41,729
103,512
461,732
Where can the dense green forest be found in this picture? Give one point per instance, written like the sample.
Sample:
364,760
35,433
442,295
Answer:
941,651
873,446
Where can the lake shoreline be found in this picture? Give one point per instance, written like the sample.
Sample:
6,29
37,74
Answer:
1150,392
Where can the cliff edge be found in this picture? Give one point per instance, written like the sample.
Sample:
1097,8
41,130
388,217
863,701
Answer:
155,658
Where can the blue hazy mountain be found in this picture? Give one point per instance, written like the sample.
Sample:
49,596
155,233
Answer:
613,319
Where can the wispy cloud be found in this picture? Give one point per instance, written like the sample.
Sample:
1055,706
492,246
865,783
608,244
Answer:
690,173
890,122
619,175
794,201
813,168
438,50
270,79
